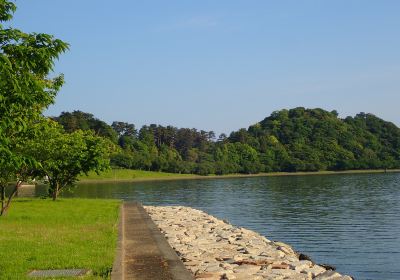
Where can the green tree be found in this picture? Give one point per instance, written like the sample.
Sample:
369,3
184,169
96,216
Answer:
124,129
19,174
25,87
85,121
65,156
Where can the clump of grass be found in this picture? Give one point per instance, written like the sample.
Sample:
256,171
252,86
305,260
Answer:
68,233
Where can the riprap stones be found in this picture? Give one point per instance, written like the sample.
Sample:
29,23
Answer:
213,249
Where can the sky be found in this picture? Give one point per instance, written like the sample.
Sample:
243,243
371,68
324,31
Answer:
221,65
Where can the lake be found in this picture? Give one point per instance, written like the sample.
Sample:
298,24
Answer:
349,221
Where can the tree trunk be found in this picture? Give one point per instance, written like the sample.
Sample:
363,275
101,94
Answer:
3,196
5,207
55,192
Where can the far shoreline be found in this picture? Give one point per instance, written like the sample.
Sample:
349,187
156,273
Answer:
180,177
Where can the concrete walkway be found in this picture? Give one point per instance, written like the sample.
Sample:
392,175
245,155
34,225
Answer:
143,253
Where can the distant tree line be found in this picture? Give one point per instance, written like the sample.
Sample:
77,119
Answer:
288,140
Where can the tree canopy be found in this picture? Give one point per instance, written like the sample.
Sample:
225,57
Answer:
292,140
26,89
85,121
31,145
62,157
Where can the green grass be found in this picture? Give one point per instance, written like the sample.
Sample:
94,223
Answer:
140,175
128,174
68,233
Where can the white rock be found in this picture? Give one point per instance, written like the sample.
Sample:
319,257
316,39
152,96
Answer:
212,249
315,270
329,275
249,269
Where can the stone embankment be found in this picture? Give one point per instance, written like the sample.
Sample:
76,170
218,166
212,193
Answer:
213,249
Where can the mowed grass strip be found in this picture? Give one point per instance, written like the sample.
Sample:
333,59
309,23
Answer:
68,233
129,174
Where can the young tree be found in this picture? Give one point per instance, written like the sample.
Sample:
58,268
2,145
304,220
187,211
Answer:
65,156
7,175
25,88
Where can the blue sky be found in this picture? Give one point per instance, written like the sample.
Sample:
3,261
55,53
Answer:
221,65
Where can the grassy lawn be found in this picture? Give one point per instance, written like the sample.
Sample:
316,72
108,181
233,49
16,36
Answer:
140,175
69,233
129,174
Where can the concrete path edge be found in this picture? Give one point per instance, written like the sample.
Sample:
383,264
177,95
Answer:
176,268
117,269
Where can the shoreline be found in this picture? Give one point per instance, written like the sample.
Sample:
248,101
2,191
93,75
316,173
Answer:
213,249
178,177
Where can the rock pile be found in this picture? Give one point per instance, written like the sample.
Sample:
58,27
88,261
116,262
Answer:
213,249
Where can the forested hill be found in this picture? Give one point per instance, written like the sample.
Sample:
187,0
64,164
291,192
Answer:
288,140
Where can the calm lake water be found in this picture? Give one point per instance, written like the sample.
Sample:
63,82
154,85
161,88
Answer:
349,221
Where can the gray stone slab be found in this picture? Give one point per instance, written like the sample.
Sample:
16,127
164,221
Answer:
59,273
